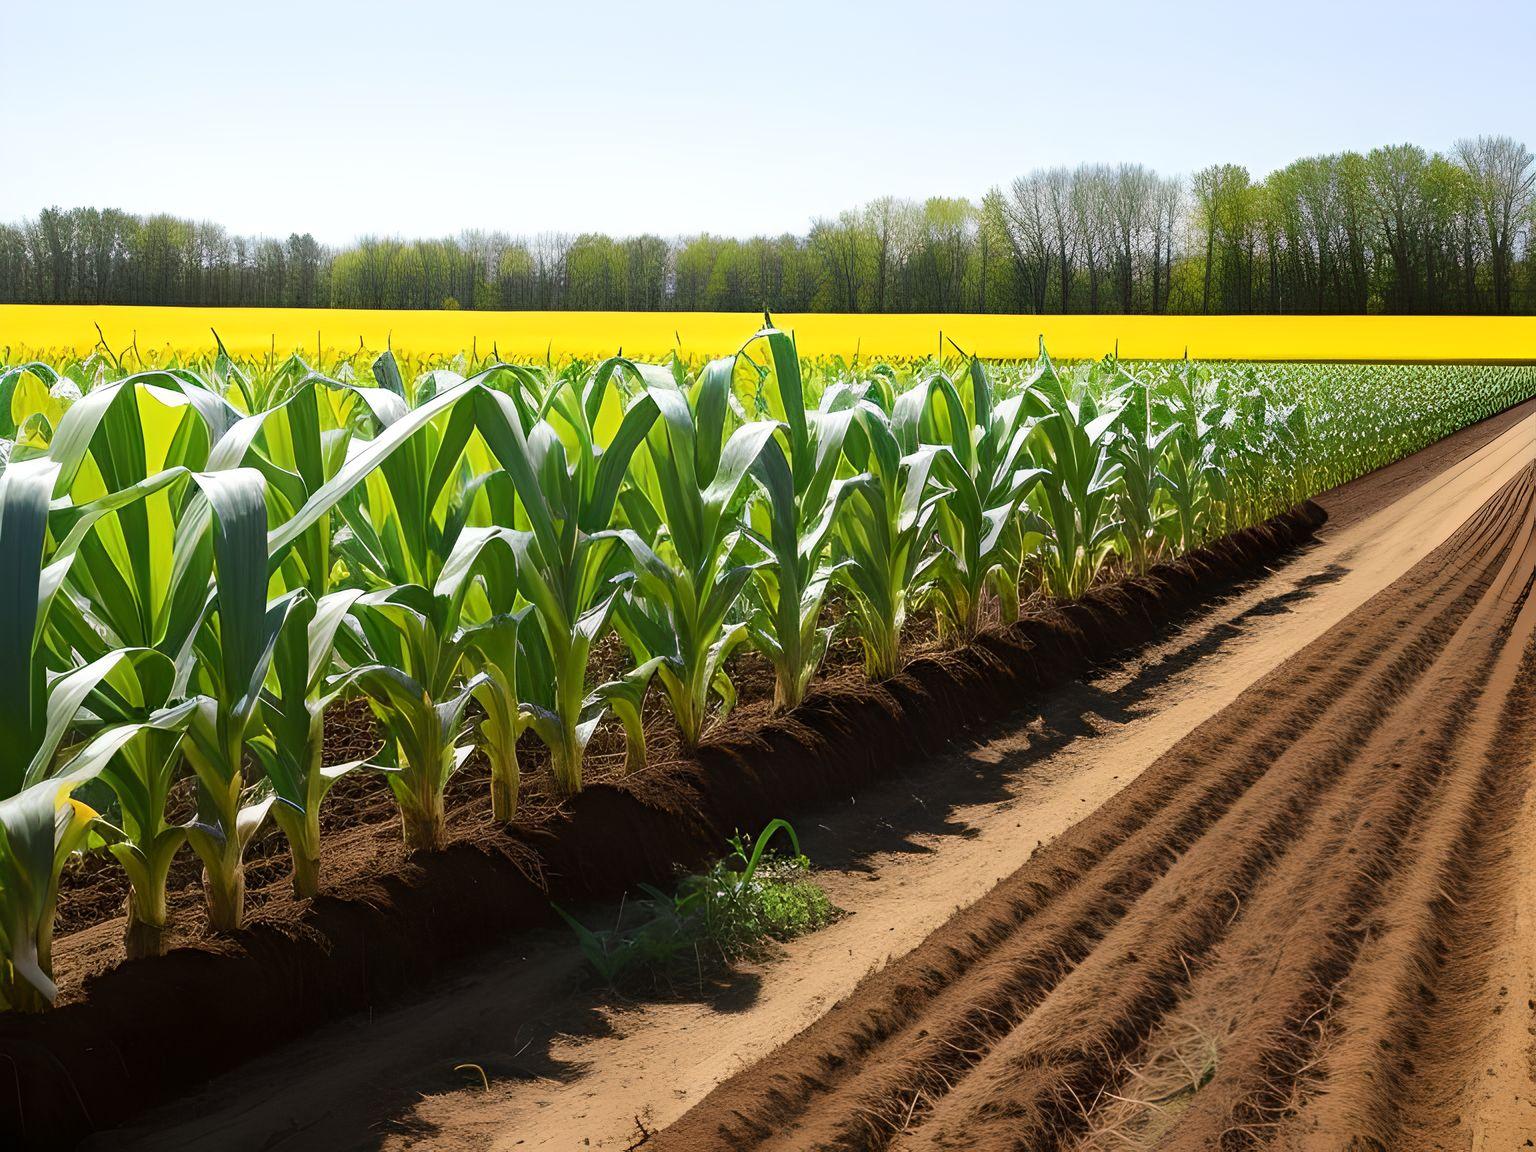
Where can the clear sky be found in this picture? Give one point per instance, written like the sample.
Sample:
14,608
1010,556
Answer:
428,118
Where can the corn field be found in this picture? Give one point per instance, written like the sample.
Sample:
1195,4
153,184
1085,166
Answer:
202,556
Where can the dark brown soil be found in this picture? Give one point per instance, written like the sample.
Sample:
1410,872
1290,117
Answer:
127,1034
1300,928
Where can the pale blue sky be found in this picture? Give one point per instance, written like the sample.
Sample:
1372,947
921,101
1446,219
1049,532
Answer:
674,117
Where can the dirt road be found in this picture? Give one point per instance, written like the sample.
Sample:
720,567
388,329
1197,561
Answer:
1284,897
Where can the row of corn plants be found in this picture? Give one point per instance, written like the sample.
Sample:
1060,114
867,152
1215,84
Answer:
200,559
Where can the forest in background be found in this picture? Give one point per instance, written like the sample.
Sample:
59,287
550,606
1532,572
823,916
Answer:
1395,230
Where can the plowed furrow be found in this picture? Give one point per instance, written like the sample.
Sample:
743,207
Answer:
1417,1017
1322,803
1258,873
1089,887
1277,981
1256,859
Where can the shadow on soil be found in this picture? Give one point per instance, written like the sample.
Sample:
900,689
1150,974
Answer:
911,807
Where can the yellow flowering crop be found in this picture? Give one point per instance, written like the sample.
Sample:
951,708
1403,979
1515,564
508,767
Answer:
533,335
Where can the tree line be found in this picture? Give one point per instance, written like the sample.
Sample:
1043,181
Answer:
1397,229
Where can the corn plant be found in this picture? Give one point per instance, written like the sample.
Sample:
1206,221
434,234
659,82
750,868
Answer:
230,655
40,710
205,609
988,472
399,530
793,523
409,660
176,562
884,533
1137,450
569,557
41,823
1189,465
33,400
299,444
479,582
410,679
39,828
686,581
135,828
1073,499
289,739
494,650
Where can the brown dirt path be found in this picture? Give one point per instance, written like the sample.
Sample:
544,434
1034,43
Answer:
566,1073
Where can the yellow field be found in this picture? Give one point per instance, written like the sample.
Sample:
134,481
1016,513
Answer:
528,335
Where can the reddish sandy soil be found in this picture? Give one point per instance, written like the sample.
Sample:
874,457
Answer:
1267,883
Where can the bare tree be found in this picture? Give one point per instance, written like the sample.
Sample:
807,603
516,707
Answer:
1058,196
1396,176
1026,221
891,226
1091,221
1502,183
1169,209
1129,204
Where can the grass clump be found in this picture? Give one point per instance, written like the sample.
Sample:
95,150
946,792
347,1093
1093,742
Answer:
738,909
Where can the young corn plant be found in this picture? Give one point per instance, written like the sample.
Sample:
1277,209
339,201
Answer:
33,400
567,471
494,651
1260,447
289,734
135,828
410,499
480,576
1189,464
686,584
793,523
1073,501
409,658
988,473
122,433
138,762
40,827
224,668
206,531
298,445
1137,449
410,679
174,560
41,823
126,686
885,533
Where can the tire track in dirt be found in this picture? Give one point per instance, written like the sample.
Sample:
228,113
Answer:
1318,879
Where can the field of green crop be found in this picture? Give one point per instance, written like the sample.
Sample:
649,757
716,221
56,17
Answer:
200,559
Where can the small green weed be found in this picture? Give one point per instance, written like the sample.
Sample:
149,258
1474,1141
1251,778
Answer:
736,910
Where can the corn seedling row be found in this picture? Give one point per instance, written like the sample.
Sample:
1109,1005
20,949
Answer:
202,557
